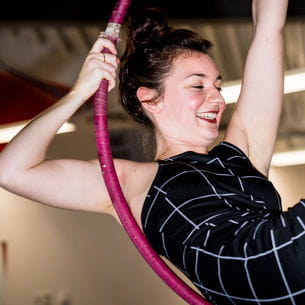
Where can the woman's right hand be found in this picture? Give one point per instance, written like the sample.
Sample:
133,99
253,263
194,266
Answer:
96,67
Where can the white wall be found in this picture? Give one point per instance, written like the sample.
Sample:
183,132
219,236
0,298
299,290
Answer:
290,182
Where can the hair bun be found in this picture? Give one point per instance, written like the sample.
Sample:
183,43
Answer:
148,26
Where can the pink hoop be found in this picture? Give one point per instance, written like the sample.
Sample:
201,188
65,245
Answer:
112,182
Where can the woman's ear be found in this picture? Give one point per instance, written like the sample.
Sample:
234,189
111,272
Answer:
147,98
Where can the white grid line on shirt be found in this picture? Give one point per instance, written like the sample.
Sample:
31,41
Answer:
275,251
216,160
196,268
182,214
248,275
164,247
262,300
183,257
206,238
240,258
189,201
156,196
238,230
219,275
257,227
207,180
205,222
283,221
235,157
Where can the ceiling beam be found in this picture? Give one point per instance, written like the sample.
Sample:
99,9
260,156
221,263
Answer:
90,10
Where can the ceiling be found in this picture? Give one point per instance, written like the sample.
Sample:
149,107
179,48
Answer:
49,40
100,10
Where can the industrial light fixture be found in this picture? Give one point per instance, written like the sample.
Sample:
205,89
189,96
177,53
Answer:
288,158
230,91
8,131
294,82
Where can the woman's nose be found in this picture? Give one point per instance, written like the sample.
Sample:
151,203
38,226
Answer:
215,96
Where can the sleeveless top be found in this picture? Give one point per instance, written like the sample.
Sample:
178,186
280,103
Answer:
217,219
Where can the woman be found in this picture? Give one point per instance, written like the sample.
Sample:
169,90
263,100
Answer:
212,213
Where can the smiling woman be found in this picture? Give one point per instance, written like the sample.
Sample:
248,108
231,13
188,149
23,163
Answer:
212,212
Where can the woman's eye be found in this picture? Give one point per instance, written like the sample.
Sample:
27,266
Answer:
202,87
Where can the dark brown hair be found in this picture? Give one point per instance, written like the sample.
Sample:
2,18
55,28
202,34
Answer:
151,48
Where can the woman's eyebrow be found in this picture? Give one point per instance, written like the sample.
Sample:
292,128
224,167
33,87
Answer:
202,75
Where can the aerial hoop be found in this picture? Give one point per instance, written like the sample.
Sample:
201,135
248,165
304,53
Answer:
112,183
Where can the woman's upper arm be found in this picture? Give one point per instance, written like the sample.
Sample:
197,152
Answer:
254,123
70,184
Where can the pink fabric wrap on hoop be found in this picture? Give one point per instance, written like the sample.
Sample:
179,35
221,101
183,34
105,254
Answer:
112,182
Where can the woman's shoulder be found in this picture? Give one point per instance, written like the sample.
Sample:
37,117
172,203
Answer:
134,173
129,171
136,179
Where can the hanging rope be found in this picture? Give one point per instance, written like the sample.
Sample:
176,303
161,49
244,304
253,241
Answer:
112,182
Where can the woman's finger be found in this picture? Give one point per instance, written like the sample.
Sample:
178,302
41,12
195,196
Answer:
103,43
104,58
110,77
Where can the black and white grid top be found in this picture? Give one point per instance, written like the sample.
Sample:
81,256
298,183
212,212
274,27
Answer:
220,221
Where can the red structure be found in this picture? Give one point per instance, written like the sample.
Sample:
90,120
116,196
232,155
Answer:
23,97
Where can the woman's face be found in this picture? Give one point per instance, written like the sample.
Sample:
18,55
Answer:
191,104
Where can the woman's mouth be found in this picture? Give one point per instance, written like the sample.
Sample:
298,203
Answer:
208,116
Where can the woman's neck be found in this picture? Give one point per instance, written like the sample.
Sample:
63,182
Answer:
168,148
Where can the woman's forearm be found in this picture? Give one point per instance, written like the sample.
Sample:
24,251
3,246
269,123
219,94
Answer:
28,149
270,14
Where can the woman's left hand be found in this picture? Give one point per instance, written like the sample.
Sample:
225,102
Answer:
96,67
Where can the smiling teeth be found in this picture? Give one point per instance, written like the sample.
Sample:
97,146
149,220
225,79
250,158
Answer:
207,115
